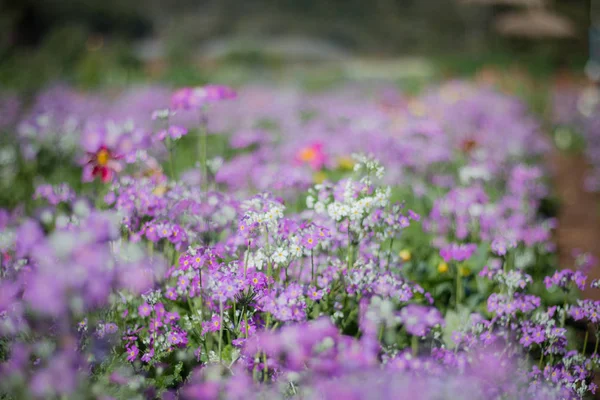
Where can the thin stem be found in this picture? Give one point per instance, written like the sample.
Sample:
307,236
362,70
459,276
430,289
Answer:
458,287
268,250
172,159
267,323
350,254
390,254
266,367
312,266
596,345
200,294
151,249
585,341
414,341
220,330
204,158
246,260
234,312
202,144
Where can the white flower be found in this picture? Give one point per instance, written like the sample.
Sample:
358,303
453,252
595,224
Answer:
257,260
366,203
280,255
335,211
296,249
320,208
356,212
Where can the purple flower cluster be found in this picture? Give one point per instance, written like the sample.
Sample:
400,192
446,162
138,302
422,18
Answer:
322,285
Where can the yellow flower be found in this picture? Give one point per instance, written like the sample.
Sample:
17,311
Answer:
159,190
345,163
319,177
405,255
442,267
464,271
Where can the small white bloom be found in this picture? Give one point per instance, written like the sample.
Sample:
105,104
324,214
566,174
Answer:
280,255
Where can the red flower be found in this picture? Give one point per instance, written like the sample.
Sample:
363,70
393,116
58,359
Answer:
104,164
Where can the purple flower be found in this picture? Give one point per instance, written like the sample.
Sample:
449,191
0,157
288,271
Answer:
171,293
418,319
144,310
310,241
314,293
458,252
132,353
195,98
147,357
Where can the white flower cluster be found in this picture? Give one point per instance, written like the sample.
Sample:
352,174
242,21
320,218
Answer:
369,166
382,311
470,173
513,280
257,259
352,207
263,211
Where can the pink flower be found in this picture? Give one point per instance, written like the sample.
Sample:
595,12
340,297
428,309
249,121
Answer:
312,155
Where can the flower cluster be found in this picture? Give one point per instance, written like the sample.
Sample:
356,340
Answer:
291,264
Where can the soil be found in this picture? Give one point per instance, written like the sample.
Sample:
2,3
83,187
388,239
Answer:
578,215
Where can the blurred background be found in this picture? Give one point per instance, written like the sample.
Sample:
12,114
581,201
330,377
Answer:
545,51
98,42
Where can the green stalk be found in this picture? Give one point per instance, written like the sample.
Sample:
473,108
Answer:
312,265
220,330
202,144
246,262
585,341
414,342
350,255
458,287
266,367
246,323
234,312
171,158
390,254
267,248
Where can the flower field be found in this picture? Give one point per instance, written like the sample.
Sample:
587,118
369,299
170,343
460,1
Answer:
271,242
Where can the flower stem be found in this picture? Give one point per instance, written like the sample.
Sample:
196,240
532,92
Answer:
202,144
585,341
220,330
172,160
458,287
312,265
414,341
246,262
390,254
266,373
